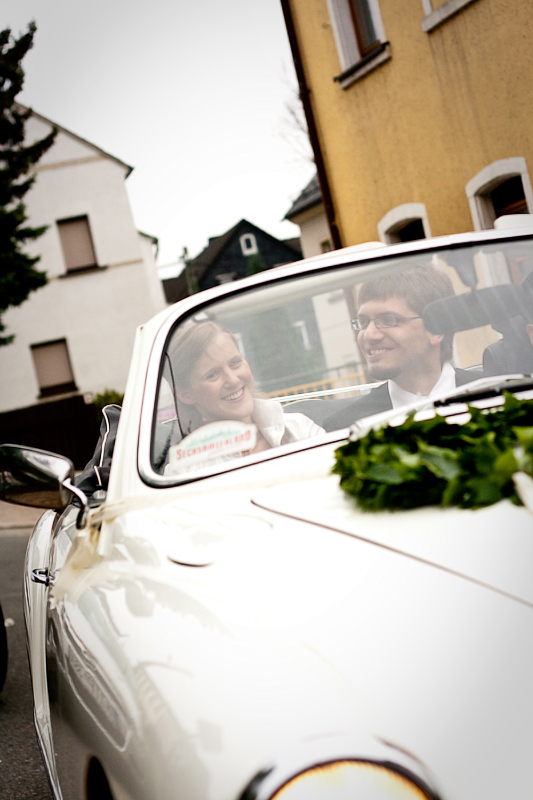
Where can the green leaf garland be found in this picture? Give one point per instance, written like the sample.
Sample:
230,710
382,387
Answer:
435,462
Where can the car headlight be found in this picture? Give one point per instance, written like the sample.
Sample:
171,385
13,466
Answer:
337,768
350,779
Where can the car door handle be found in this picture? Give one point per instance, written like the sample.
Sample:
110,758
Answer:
40,576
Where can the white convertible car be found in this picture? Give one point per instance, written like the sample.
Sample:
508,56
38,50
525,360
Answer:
211,615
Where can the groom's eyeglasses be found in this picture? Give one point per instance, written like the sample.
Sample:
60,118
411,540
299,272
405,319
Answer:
381,321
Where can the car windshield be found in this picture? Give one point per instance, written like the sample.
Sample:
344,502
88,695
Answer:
288,360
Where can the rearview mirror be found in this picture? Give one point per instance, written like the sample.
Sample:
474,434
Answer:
32,477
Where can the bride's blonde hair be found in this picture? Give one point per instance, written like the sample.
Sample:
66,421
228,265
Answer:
188,344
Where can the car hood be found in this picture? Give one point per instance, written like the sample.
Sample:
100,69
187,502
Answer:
324,620
491,546
263,600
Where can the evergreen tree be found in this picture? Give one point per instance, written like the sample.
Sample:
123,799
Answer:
255,264
190,273
18,276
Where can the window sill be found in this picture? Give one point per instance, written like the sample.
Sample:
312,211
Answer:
55,391
440,15
71,273
357,71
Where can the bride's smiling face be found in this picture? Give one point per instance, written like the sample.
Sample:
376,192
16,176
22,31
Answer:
221,384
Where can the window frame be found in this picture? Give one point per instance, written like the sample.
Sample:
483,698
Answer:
52,389
250,249
479,188
301,326
405,213
435,18
354,62
69,269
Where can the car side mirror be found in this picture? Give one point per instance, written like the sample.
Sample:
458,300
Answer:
37,478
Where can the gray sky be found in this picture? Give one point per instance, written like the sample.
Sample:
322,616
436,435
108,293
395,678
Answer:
191,94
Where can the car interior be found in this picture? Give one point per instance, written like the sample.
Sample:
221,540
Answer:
488,299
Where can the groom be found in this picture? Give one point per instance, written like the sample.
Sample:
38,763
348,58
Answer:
397,347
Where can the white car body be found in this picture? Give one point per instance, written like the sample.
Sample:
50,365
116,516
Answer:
253,622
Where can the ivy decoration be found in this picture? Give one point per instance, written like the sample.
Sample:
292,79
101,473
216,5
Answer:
438,463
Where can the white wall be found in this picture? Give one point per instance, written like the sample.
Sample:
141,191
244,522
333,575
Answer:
314,230
337,336
331,310
97,312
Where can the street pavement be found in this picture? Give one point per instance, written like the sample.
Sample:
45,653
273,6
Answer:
22,775
12,516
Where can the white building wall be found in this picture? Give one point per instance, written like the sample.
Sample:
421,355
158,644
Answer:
338,339
331,310
314,230
96,311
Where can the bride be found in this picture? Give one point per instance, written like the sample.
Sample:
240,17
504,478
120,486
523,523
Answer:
214,381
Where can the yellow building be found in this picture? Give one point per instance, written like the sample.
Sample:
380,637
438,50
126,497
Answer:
420,112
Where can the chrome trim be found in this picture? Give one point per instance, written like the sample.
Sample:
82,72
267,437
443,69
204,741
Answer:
48,518
102,449
54,785
316,753
289,398
40,575
82,497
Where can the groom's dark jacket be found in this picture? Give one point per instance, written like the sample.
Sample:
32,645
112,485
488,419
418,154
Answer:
375,401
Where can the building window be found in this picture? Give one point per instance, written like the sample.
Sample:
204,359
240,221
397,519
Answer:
409,232
509,198
302,328
248,244
325,246
363,24
359,36
240,342
53,369
435,17
501,188
405,223
77,244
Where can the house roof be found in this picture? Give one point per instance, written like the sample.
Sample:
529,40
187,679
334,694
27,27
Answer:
217,243
129,169
295,243
153,239
176,288
308,197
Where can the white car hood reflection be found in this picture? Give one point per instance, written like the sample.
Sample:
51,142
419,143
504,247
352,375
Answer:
298,623
492,546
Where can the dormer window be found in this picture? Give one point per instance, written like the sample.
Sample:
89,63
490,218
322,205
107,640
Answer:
248,244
